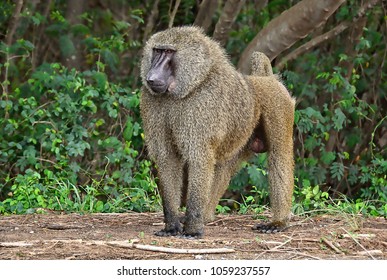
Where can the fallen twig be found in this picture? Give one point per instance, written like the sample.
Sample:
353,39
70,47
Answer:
133,244
358,243
15,244
275,249
360,235
287,251
61,227
373,252
330,245
227,218
123,244
282,244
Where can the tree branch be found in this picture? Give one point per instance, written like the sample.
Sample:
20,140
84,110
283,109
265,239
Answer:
229,13
14,22
173,14
326,36
206,11
292,25
73,15
151,21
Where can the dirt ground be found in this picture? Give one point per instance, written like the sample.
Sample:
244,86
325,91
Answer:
131,236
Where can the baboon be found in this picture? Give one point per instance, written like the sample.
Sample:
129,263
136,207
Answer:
201,118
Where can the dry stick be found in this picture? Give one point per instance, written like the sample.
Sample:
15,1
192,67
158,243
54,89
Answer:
330,244
304,255
227,218
275,249
282,244
287,251
173,14
361,235
16,244
125,244
357,242
375,252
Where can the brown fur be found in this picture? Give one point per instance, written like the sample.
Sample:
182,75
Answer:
199,132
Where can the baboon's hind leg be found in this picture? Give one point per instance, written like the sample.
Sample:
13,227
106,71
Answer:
279,133
222,176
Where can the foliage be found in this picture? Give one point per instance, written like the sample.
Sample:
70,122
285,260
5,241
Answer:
71,137
70,141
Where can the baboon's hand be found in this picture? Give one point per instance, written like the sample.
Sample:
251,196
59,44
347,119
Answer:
273,227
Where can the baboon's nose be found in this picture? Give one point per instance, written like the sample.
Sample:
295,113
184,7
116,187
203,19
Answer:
156,84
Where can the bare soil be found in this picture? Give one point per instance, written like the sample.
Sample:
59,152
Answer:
111,236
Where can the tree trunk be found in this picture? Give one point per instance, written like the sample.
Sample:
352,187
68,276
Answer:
326,36
74,10
151,20
291,26
206,11
229,13
14,22
173,13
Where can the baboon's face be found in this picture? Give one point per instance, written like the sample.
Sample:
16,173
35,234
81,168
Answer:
161,75
175,62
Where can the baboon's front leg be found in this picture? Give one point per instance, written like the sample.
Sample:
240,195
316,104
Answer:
170,185
200,176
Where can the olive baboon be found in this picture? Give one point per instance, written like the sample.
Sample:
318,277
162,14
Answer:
201,118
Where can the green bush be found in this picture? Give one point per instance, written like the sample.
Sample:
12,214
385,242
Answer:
70,141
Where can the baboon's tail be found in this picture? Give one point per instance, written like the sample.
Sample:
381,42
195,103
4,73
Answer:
260,65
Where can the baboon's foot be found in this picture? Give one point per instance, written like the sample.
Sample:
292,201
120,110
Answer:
193,235
209,218
170,231
193,231
272,227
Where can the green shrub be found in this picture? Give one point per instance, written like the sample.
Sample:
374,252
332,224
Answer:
72,141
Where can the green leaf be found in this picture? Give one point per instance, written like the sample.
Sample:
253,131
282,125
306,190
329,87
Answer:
80,29
338,119
128,132
337,170
101,79
66,45
328,157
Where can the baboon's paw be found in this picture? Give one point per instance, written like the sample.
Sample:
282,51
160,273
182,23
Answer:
170,232
273,227
192,235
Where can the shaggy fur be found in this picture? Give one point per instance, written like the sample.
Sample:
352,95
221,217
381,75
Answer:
198,133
